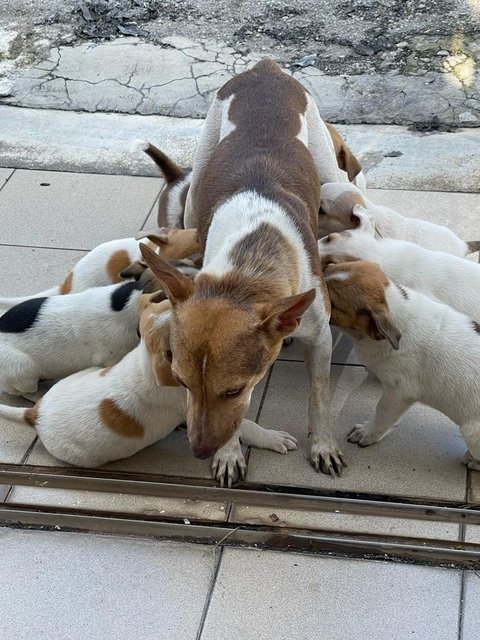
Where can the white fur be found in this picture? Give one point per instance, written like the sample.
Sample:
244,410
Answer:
392,224
71,332
439,275
175,207
436,364
90,270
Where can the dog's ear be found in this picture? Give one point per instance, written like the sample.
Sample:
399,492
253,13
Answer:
158,237
345,158
177,286
381,327
364,220
134,270
283,317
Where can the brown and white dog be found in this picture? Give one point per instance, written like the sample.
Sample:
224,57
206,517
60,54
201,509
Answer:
254,198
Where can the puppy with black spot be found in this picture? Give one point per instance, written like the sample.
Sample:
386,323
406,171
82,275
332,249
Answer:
420,350
50,338
100,415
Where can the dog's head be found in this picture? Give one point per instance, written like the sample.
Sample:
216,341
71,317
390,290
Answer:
169,243
356,243
221,347
336,213
357,293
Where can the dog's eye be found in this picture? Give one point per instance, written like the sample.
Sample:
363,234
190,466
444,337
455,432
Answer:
168,355
233,393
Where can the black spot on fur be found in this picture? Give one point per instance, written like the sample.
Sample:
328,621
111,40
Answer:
476,326
22,316
121,295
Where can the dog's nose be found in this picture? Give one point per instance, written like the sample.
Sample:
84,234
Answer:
203,452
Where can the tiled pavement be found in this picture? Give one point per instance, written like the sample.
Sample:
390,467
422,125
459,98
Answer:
79,585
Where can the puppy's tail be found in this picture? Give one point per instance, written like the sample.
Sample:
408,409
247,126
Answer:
170,169
473,245
19,414
7,303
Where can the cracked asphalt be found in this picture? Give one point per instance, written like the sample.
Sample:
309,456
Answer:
394,62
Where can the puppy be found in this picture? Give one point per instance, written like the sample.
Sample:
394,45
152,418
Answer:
254,197
50,338
171,204
340,200
439,275
100,415
421,351
113,261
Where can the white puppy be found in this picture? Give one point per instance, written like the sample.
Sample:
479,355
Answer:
427,352
100,415
111,261
439,275
340,199
50,338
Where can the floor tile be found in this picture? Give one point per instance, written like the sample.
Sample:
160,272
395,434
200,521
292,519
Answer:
270,595
345,523
14,438
147,505
77,586
421,458
73,210
24,270
458,211
4,176
171,456
471,606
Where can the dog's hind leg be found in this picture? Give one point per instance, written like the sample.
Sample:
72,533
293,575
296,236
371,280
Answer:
471,433
388,412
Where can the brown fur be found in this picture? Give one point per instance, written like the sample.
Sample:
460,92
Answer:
157,340
337,215
31,414
359,303
103,372
118,261
345,158
117,420
66,285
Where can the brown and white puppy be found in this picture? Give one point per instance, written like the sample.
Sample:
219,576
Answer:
171,204
254,197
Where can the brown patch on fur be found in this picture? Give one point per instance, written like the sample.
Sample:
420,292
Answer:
31,414
118,261
66,285
156,336
117,420
358,300
103,372
345,158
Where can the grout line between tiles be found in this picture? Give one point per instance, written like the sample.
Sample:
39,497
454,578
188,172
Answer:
461,606
7,179
22,461
150,210
34,246
264,393
218,551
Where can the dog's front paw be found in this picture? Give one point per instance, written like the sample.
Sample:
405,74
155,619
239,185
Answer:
229,466
327,458
362,435
279,441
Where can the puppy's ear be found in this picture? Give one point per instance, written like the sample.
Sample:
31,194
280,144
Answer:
283,317
381,327
134,270
177,286
364,220
159,237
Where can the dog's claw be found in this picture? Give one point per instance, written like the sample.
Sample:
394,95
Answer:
327,459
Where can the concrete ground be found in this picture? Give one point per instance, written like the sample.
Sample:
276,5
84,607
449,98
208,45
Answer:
78,585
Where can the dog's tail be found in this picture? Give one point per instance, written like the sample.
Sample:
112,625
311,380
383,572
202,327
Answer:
7,303
171,170
473,245
19,414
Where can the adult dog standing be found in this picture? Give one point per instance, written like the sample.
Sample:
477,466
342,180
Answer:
254,198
